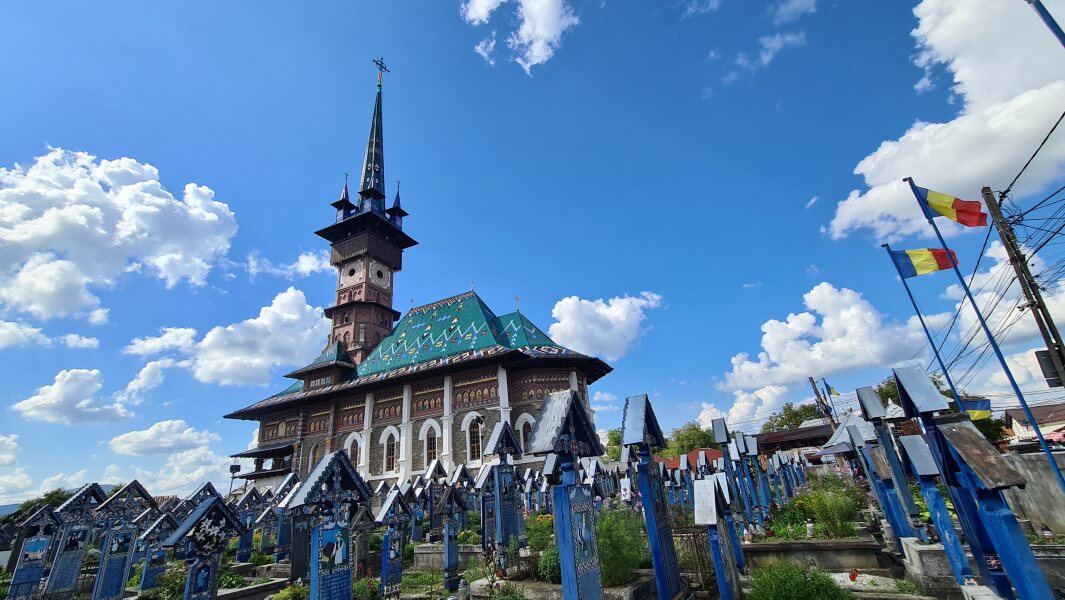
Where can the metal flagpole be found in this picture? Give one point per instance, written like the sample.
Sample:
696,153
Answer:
1048,19
928,334
990,338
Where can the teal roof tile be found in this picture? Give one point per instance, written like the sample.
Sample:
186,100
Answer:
334,355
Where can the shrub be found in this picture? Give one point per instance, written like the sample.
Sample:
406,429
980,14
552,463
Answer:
294,592
787,579
229,579
365,588
468,536
795,512
170,585
473,520
376,541
408,554
550,568
622,540
509,591
835,511
259,559
538,532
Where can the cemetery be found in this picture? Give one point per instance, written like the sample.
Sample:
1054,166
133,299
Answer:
740,526
450,452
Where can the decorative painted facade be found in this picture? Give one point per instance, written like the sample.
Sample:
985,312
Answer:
397,391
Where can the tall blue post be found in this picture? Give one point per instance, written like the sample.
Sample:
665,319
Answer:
922,201
641,432
450,506
706,513
925,469
1048,20
975,474
247,507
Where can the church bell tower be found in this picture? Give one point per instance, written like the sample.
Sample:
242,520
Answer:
367,243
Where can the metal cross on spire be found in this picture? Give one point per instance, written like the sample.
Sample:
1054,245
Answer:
381,69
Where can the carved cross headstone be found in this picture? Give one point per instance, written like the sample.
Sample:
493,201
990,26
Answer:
202,537
641,432
247,507
282,519
395,513
117,516
155,555
566,431
506,499
36,534
77,516
450,506
331,495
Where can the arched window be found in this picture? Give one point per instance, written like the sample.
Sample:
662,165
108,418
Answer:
474,451
316,456
353,453
430,447
391,448
526,435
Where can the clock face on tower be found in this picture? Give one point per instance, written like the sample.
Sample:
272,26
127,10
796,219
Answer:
352,273
380,275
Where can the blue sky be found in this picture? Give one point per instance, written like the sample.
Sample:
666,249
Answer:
662,183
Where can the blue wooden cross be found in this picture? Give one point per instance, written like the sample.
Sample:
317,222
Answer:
395,513
201,538
331,495
502,498
975,475
730,521
731,454
640,432
888,468
33,544
247,507
155,555
707,504
117,516
77,516
565,432
450,506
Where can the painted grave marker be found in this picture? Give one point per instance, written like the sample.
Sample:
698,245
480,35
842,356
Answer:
36,533
77,516
202,537
117,516
395,514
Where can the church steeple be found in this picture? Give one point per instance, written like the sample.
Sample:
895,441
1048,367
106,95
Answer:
372,184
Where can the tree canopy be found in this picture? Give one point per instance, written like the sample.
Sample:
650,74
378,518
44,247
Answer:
613,445
686,438
789,417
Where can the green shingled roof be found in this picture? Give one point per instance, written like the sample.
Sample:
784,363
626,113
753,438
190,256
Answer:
333,356
453,330
436,330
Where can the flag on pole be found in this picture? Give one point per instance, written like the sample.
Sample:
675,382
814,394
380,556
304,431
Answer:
831,390
912,263
938,204
978,408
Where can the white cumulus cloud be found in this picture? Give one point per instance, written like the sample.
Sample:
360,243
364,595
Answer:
838,331
71,399
20,334
787,11
162,438
605,327
71,223
540,26
8,450
307,263
288,332
73,340
1010,100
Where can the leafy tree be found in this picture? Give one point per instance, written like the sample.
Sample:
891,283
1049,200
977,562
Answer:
789,417
992,429
613,445
686,438
52,498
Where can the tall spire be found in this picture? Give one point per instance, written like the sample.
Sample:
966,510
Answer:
372,183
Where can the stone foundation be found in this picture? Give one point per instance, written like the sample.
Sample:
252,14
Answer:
430,557
863,554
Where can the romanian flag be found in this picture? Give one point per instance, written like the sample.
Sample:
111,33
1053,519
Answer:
978,408
912,263
937,204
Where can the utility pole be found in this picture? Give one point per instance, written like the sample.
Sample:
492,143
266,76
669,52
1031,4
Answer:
824,406
1032,294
